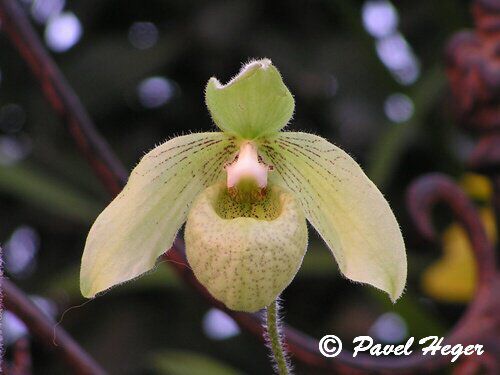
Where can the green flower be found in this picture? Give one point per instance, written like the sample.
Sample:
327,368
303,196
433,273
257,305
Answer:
246,193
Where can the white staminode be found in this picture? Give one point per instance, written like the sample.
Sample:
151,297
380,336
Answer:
247,166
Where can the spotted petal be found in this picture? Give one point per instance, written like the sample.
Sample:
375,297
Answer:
142,221
253,104
344,206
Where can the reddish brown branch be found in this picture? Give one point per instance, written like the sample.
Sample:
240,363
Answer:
21,362
97,151
302,346
43,328
431,189
111,173
472,66
61,96
481,322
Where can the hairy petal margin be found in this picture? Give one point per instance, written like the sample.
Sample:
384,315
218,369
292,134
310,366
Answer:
142,221
254,104
344,206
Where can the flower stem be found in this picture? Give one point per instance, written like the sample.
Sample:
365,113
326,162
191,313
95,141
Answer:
275,341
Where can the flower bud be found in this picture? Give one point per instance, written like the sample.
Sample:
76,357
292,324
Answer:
245,253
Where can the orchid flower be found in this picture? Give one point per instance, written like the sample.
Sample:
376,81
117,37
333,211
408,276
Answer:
245,194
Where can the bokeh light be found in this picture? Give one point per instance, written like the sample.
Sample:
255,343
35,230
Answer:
398,107
143,35
397,55
12,118
43,10
13,328
46,305
63,32
380,18
20,251
153,92
13,149
217,325
332,86
389,328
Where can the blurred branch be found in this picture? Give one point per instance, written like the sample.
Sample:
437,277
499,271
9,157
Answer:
61,96
21,362
300,345
111,173
44,328
480,323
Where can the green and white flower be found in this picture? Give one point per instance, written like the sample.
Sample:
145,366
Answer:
245,193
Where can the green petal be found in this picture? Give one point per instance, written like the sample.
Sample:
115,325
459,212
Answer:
245,254
253,104
142,221
344,206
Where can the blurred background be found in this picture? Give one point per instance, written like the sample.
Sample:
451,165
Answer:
367,75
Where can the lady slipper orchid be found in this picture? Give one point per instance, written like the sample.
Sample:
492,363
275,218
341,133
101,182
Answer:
245,194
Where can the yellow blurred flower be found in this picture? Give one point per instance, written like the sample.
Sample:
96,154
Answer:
477,186
452,278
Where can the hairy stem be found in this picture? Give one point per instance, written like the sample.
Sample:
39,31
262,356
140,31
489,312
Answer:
275,341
